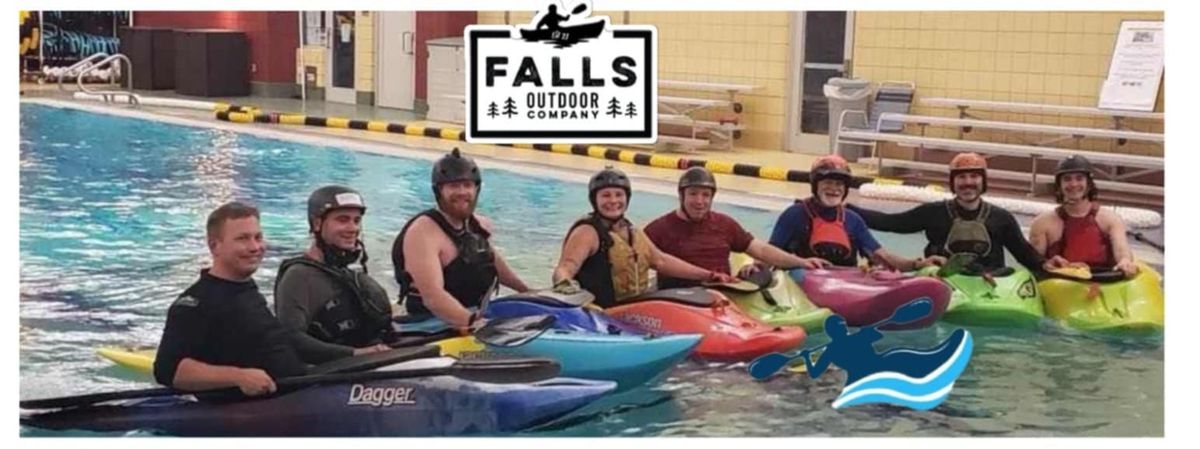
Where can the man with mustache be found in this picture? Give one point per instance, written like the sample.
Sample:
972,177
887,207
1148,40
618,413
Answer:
332,310
703,237
219,332
965,224
444,262
1079,231
822,227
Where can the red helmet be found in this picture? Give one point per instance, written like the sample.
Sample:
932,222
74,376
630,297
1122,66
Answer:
829,167
968,163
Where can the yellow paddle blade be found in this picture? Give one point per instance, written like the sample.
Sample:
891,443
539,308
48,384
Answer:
1074,271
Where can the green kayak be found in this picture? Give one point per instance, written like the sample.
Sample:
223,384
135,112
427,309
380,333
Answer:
1008,298
780,303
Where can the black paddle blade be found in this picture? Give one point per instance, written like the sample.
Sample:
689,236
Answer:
506,371
579,8
367,362
513,332
86,399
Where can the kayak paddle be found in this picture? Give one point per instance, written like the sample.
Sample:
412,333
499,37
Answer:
503,332
763,367
491,371
1082,273
1142,238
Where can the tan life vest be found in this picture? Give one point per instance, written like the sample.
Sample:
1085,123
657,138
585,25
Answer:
630,263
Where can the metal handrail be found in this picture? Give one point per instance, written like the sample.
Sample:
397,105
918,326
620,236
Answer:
117,56
81,65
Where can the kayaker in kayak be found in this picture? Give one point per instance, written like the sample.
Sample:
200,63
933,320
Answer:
332,310
964,224
612,258
443,258
1078,230
219,332
703,237
551,19
821,226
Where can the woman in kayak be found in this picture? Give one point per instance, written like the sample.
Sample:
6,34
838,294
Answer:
1078,230
609,256
822,227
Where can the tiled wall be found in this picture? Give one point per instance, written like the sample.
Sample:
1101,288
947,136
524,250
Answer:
1036,57
720,47
364,51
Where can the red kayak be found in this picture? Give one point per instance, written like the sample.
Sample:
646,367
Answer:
729,334
864,298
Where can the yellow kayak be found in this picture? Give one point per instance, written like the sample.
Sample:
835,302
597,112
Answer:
137,359
1132,306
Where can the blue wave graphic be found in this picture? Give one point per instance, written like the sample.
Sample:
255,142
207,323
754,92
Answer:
916,393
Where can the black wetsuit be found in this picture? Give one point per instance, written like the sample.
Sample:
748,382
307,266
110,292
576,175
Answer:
935,220
222,322
330,311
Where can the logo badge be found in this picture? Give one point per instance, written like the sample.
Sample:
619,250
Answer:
919,379
566,77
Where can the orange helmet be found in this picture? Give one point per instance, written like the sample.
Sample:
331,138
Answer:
968,163
829,167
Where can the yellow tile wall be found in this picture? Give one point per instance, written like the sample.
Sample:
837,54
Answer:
1026,56
364,51
720,47
312,55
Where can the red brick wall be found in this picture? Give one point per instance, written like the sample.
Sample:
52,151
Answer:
273,36
434,25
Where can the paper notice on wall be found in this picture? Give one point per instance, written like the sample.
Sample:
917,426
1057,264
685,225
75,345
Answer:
345,33
1136,68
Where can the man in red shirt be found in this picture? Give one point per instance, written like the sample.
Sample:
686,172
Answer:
705,238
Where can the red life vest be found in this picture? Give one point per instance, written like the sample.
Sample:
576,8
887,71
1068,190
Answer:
829,239
1082,240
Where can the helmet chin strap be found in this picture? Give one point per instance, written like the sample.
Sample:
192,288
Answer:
341,258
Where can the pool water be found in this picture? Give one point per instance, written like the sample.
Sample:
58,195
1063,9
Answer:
111,230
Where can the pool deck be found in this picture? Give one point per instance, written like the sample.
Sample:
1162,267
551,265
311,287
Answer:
740,190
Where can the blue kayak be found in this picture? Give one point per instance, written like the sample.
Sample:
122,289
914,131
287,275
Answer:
586,343
434,406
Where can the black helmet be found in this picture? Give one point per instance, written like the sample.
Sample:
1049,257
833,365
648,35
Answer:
609,177
455,167
697,177
1074,164
331,197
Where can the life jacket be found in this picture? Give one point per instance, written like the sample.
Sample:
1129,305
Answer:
968,236
357,319
618,269
468,278
825,238
1082,240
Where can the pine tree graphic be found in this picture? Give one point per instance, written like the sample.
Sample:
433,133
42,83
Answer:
510,107
493,110
631,110
614,107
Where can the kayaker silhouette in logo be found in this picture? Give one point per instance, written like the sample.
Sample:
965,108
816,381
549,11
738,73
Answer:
548,27
919,379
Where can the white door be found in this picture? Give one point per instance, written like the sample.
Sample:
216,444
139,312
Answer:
396,56
822,47
339,57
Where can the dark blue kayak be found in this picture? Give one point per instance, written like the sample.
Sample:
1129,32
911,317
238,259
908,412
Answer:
434,406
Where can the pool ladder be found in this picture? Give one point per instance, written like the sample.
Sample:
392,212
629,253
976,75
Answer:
95,62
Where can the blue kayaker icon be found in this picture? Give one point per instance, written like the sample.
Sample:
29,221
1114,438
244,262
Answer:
920,379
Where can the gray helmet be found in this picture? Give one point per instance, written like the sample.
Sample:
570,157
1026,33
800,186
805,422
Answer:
609,177
455,167
697,177
1074,164
331,197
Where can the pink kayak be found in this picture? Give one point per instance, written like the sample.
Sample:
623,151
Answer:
868,298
